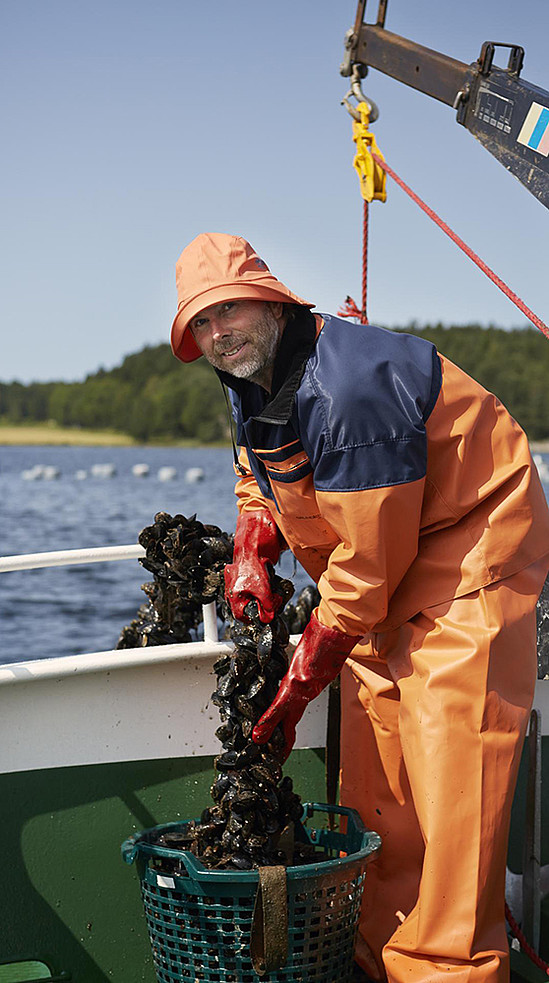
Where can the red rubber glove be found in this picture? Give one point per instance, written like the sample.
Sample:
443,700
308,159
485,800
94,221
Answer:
256,543
317,660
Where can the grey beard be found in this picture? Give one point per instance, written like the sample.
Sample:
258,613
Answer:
256,363
263,356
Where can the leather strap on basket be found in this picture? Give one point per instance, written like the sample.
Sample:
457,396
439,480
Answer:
269,941
333,728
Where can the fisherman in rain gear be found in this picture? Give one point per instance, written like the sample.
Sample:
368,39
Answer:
408,494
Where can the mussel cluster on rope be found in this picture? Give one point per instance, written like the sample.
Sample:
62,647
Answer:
187,560
251,823
543,632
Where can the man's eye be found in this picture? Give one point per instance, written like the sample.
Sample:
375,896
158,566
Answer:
228,306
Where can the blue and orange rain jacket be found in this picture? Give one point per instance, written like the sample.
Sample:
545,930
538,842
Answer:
397,481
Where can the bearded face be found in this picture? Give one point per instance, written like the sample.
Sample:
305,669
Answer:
240,337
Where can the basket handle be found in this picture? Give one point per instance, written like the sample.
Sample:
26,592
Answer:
269,939
136,845
130,848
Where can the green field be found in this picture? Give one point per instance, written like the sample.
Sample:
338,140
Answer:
48,433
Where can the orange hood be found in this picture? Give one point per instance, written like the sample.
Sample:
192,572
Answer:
215,267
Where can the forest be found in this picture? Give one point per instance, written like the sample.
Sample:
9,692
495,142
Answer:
154,398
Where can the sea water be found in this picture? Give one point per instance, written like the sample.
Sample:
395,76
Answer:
76,609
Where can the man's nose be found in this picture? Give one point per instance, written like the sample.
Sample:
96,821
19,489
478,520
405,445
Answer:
220,328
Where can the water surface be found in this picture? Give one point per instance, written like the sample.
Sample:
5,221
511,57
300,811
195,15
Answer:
70,610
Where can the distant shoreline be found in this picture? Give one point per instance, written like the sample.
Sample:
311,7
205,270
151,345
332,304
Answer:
50,435
47,434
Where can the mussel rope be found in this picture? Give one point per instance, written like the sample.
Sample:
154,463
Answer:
333,722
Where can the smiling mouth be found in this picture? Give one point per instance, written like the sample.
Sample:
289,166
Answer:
233,351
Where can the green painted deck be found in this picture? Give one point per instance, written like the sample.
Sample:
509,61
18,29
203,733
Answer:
68,899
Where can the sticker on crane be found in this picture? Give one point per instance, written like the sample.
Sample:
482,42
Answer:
535,129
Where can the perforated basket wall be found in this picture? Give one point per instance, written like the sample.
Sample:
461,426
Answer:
200,920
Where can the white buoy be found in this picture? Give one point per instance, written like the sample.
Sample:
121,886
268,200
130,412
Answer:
81,475
194,474
32,474
140,470
166,474
103,470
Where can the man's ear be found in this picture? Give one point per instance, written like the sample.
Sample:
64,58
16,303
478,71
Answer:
277,307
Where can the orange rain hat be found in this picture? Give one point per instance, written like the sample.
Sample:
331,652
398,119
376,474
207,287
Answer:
215,267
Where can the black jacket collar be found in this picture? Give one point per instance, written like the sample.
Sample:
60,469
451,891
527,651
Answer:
294,349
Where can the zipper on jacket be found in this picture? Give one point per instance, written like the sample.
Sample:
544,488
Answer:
238,467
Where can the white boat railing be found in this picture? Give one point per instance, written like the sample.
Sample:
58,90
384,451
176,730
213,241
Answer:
99,687
119,705
64,558
101,554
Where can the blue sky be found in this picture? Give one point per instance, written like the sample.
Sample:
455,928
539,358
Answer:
128,128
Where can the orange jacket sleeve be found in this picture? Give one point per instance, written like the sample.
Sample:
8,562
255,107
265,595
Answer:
379,534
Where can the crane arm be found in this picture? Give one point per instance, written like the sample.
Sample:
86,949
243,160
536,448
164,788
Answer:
509,116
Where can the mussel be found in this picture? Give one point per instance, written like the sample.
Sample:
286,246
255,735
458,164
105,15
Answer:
253,804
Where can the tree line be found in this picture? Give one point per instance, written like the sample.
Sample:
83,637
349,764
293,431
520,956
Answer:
152,397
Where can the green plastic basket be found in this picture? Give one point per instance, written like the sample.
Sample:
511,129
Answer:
200,920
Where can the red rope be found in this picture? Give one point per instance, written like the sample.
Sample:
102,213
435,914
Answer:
525,946
364,318
349,308
466,249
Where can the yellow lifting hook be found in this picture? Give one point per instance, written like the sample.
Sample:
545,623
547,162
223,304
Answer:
372,177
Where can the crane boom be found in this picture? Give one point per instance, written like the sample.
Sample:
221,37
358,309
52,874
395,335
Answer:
509,116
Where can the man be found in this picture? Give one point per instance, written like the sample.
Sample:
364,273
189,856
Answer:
408,494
